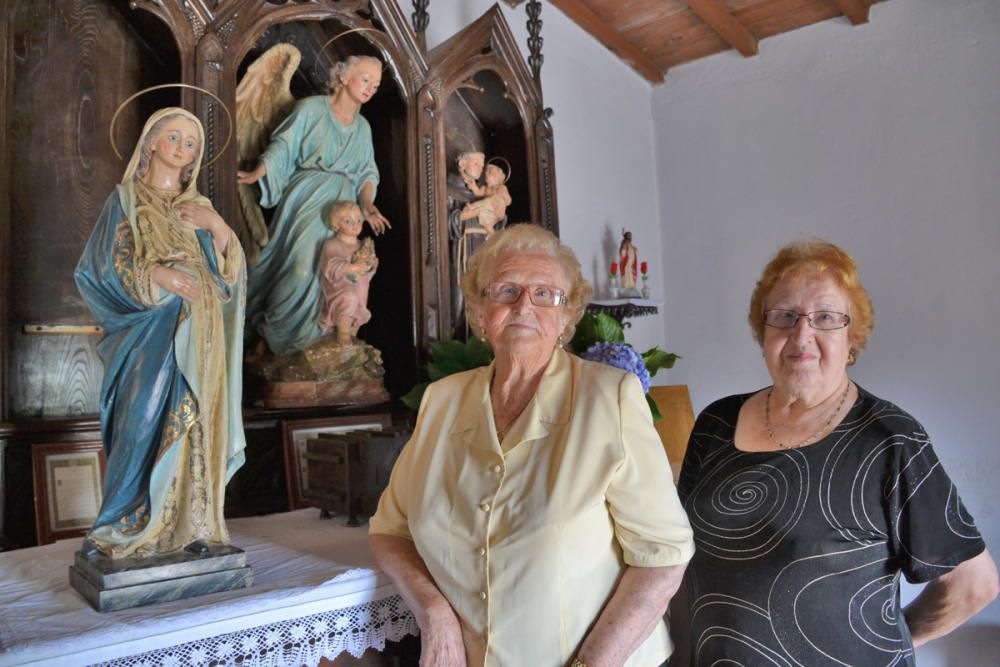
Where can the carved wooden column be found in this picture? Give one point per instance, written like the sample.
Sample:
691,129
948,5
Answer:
534,11
420,19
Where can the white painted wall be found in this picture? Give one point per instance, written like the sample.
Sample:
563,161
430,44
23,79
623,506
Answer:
603,142
885,139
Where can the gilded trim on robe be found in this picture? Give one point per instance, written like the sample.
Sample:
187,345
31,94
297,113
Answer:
179,422
124,259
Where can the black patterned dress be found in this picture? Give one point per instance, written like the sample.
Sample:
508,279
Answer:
799,552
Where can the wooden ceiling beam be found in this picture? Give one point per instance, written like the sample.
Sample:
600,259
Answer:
855,10
729,28
585,17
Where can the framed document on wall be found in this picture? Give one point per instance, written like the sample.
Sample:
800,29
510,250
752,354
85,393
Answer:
67,484
296,433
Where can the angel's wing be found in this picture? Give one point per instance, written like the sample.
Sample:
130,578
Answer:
263,99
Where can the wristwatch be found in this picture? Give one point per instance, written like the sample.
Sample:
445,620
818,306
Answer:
578,663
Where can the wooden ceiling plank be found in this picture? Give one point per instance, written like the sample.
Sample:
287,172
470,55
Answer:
855,10
609,37
729,28
780,16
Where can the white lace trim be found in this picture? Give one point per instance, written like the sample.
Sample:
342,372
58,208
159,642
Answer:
298,641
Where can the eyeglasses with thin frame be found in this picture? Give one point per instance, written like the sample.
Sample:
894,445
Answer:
823,320
545,296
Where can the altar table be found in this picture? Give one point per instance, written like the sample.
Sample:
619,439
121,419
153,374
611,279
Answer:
315,594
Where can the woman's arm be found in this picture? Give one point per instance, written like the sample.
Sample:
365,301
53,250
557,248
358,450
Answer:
951,599
636,606
440,632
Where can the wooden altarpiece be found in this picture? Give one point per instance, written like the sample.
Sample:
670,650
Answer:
65,65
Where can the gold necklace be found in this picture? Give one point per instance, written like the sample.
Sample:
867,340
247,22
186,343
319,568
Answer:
770,431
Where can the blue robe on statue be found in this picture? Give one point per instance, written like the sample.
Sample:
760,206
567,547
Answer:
170,410
312,161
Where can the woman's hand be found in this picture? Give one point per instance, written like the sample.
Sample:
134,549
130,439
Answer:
251,177
376,220
440,631
176,282
203,217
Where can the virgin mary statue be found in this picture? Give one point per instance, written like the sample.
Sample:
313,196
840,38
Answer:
164,276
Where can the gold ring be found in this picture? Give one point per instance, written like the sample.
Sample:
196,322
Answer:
229,117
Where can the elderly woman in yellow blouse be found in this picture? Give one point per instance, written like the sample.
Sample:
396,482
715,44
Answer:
531,519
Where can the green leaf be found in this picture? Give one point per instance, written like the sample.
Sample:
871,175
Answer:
476,353
445,349
609,330
653,408
445,367
414,396
655,359
600,328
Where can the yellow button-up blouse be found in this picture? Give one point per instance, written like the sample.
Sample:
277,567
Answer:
528,541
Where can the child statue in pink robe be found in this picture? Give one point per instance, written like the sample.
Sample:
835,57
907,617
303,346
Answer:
347,265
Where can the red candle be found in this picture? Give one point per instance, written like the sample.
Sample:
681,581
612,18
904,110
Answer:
643,266
614,268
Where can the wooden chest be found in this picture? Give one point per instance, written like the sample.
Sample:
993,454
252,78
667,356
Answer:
347,472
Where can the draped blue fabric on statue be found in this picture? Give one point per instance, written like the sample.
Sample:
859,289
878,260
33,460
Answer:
142,383
313,160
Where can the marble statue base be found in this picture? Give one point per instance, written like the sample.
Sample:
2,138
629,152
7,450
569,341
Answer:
327,373
110,585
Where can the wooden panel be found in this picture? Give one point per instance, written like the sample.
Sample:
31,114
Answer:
59,376
72,63
674,403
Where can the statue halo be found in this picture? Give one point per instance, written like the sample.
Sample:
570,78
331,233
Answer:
510,169
229,117
348,32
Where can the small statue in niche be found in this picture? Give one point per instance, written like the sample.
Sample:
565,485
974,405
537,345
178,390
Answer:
347,266
164,275
495,198
628,263
465,230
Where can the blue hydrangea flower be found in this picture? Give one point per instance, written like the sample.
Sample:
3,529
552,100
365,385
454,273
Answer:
620,355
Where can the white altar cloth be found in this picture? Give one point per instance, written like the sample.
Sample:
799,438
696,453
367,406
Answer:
315,594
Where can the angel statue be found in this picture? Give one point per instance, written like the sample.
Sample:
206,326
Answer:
164,276
263,98
321,152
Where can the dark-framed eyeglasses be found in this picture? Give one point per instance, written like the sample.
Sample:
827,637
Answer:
545,296
824,320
